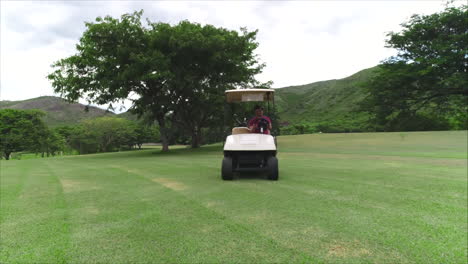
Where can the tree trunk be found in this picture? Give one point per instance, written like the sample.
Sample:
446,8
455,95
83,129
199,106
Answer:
7,155
164,133
195,138
200,141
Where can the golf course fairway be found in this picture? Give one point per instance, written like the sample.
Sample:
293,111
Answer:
340,198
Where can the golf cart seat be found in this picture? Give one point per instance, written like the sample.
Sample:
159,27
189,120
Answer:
240,130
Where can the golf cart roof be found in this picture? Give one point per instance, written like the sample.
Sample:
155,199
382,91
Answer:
249,95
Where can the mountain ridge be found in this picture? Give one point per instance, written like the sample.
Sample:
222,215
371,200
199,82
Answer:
323,100
58,110
327,100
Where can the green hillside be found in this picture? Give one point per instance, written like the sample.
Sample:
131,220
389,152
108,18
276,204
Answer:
322,101
58,111
128,115
316,102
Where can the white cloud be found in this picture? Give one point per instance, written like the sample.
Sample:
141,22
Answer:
301,42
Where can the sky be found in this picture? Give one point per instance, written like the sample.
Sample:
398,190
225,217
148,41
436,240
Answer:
300,41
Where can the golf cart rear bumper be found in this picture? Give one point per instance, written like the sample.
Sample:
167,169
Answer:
263,153
249,161
249,169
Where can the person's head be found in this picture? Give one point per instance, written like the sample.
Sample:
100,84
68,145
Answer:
258,110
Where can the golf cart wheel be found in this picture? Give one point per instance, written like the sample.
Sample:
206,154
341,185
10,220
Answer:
272,168
226,169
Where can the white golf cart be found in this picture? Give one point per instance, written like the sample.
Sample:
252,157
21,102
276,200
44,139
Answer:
245,151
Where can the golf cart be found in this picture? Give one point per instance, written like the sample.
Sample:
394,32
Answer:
245,151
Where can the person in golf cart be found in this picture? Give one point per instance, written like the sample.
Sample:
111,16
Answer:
259,123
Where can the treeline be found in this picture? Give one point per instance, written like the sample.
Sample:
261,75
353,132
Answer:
337,125
24,130
424,87
362,122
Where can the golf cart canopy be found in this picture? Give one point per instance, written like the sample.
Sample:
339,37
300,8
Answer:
249,95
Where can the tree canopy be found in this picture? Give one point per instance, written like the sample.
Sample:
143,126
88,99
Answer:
176,74
425,86
105,134
24,130
21,130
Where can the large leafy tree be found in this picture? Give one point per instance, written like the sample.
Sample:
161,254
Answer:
425,86
206,61
175,74
21,130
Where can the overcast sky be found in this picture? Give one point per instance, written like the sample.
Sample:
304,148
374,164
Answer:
300,41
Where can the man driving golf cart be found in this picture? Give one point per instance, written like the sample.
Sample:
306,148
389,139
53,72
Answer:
259,121
251,148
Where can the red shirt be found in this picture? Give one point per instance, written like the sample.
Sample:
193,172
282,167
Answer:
255,120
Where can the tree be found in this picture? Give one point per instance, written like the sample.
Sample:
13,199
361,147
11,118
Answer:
102,134
110,133
176,73
206,61
66,132
428,77
82,140
21,130
145,133
50,142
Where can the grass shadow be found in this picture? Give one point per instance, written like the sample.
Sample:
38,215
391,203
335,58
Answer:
248,176
216,149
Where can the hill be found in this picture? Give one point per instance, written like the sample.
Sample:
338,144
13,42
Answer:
128,115
58,111
323,101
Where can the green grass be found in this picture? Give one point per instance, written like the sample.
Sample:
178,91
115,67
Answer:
341,198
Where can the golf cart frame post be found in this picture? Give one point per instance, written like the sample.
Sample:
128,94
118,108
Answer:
246,151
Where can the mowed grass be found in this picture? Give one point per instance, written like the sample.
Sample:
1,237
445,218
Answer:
341,198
